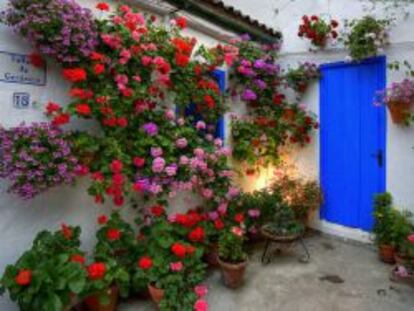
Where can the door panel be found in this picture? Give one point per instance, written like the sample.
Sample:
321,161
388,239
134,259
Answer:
352,134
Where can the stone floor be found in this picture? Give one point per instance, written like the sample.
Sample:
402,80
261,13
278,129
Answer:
340,276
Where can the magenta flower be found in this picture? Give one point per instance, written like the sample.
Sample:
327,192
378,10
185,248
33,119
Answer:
201,305
150,129
254,213
176,266
158,165
248,95
201,290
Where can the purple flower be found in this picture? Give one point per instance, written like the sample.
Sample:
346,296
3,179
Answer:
248,95
259,64
150,129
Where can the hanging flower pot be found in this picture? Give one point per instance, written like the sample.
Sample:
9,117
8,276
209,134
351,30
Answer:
156,294
103,301
399,111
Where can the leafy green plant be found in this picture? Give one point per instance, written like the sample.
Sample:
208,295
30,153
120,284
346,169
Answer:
284,222
366,37
383,214
231,245
50,274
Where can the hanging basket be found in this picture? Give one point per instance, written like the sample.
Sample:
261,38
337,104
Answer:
400,112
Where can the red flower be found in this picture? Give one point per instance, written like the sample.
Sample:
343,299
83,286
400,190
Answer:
197,235
278,99
314,18
36,60
95,56
334,34
181,22
66,231
52,107
75,74
61,119
118,200
97,176
98,68
81,93
157,210
98,199
24,277
77,258
113,234
190,249
239,218
127,92
182,46
218,224
209,101
122,122
145,263
116,166
179,250
139,162
103,6
334,23
83,109
103,219
96,271
181,60
198,69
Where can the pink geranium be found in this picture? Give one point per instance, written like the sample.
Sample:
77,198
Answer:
176,266
201,305
201,290
410,238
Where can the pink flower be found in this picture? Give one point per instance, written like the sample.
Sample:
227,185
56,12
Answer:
199,153
237,231
233,192
209,137
207,193
218,142
200,125
222,208
184,160
201,305
213,215
181,143
169,115
156,152
171,170
158,165
254,213
137,78
146,60
201,290
410,238
180,121
176,266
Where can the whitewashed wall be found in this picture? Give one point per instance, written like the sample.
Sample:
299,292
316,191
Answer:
21,220
400,140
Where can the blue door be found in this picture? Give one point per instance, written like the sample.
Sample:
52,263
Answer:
352,141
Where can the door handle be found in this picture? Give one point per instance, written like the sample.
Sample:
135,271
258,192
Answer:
379,156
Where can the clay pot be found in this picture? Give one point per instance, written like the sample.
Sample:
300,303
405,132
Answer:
156,294
233,273
211,256
386,253
400,112
93,302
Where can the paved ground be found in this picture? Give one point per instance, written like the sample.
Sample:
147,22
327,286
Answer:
341,276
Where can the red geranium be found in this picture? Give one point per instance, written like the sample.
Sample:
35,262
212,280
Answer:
96,271
24,277
157,210
113,234
81,93
139,162
103,219
209,101
66,231
179,250
122,121
36,60
52,107
75,74
95,56
181,60
181,22
118,200
83,109
116,166
61,119
98,69
239,218
103,6
77,258
197,235
218,224
145,263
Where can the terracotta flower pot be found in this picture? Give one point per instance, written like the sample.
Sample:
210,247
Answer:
386,253
233,273
93,302
156,294
400,112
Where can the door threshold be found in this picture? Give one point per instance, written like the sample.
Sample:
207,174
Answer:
343,231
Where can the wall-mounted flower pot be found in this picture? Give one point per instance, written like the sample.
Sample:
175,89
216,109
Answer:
400,112
387,253
233,273
156,294
96,303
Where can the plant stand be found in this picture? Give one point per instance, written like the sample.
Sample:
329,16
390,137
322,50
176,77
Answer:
284,240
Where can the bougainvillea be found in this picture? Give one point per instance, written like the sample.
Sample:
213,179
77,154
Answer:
58,28
36,158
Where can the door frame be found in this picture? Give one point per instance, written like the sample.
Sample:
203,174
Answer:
382,127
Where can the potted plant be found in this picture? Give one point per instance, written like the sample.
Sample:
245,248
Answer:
299,78
384,226
50,276
106,281
317,30
367,37
399,98
232,258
